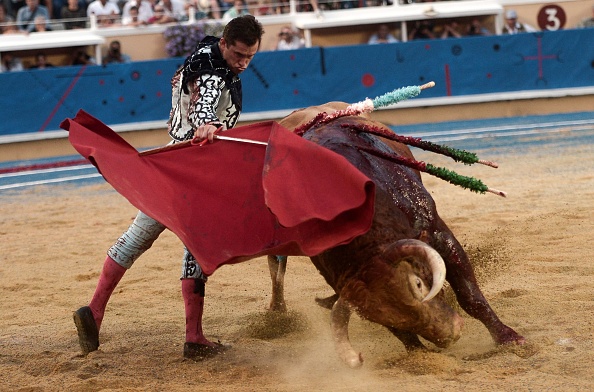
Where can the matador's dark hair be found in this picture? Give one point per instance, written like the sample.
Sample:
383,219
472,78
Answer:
245,29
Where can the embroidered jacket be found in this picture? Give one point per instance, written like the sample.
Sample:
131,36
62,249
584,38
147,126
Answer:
204,90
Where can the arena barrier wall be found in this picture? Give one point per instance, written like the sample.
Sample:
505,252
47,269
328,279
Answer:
34,102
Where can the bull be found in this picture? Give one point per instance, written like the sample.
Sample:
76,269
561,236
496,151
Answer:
393,274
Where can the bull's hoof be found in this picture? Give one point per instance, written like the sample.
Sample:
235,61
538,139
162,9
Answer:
88,333
506,335
198,352
353,360
327,302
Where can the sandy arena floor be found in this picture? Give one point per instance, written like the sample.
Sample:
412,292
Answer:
532,252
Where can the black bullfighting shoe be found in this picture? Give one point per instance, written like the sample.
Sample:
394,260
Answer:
198,352
88,334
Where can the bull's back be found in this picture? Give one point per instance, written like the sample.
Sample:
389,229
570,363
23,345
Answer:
403,207
402,183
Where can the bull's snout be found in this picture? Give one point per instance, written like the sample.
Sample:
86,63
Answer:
456,332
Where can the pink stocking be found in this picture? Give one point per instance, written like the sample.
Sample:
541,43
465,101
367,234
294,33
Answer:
193,293
110,277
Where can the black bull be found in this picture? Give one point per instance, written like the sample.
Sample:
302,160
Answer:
367,275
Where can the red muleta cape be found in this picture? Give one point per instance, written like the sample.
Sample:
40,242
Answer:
229,201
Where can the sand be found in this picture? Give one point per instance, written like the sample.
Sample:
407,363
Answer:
532,252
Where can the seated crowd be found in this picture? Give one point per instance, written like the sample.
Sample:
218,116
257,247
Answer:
31,16
19,15
26,16
464,27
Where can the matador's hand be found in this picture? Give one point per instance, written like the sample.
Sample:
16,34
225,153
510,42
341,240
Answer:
207,131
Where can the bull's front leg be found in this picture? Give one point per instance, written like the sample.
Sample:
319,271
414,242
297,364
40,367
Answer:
340,316
277,266
461,278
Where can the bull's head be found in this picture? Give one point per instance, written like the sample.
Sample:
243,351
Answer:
402,290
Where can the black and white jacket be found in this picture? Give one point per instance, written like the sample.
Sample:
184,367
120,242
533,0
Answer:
204,90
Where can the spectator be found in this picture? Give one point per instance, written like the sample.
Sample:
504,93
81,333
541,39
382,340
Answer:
450,30
106,12
421,30
222,6
238,9
512,26
174,9
10,63
75,12
252,7
314,6
41,62
586,22
40,25
57,5
49,4
115,55
372,3
132,20
261,7
13,6
81,57
203,8
145,9
26,15
476,28
7,24
160,16
382,36
289,39
334,5
284,7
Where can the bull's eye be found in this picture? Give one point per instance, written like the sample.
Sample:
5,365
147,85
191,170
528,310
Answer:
419,284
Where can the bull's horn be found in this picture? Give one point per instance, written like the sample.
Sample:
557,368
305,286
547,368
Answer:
341,313
412,247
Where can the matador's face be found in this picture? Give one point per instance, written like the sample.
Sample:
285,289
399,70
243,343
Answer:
237,55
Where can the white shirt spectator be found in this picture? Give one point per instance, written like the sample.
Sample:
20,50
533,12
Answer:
382,36
145,9
132,18
289,39
376,39
10,63
512,26
174,8
102,7
295,43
